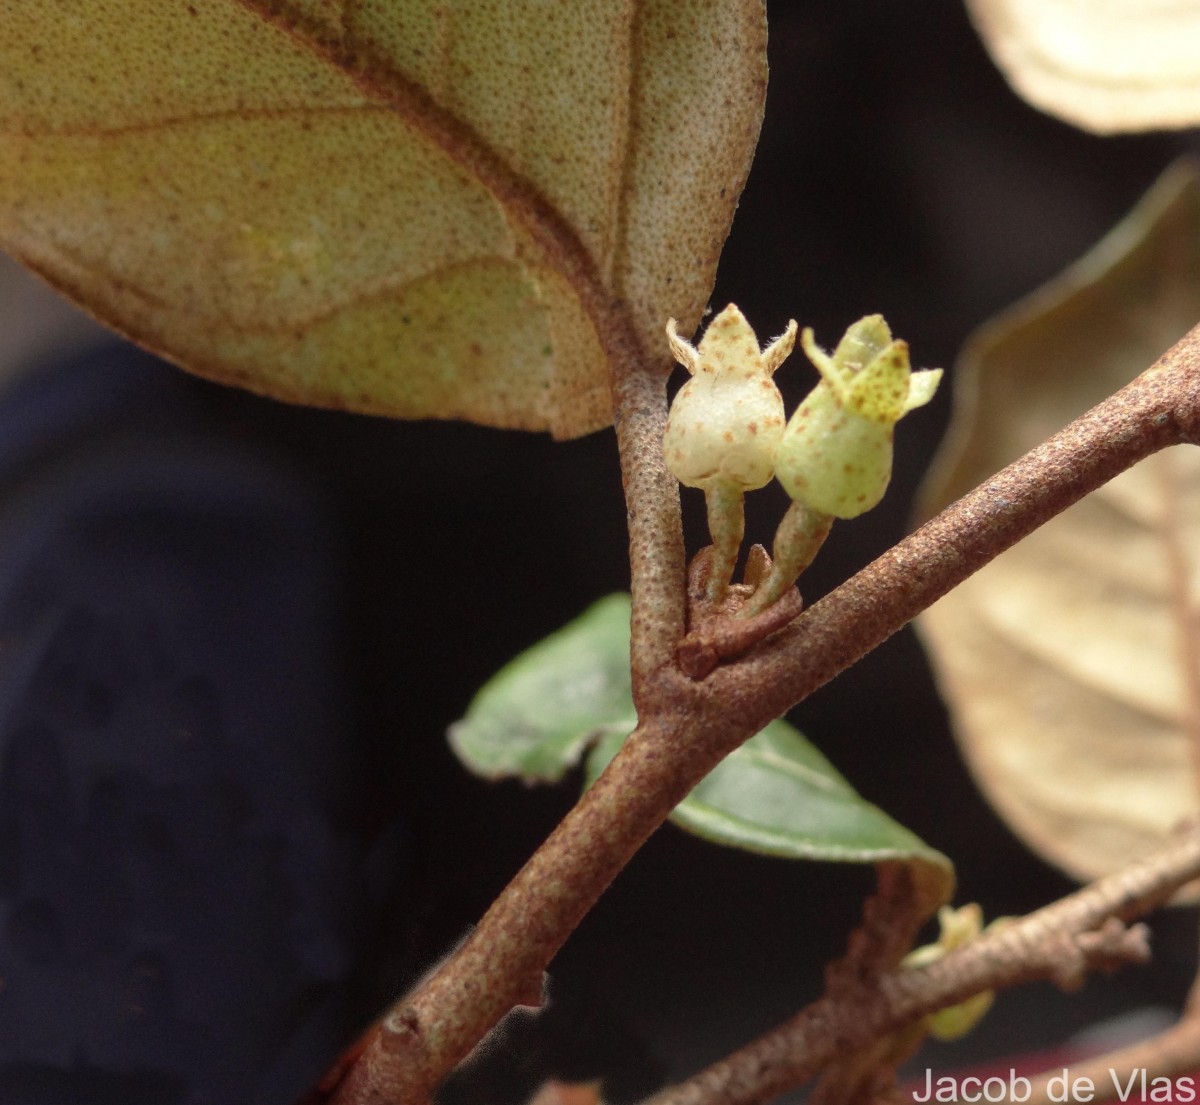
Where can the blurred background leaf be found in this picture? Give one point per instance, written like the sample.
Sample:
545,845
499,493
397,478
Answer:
566,1093
1117,65
1072,663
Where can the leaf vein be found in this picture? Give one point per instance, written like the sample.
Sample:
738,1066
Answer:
330,307
768,757
526,205
201,118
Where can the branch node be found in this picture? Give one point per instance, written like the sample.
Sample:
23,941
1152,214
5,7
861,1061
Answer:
402,1022
717,632
1114,944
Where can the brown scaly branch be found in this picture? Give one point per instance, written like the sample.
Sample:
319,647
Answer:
687,725
1082,932
892,917
656,551
1161,407
1171,1053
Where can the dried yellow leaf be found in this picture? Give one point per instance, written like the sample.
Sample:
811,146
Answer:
1071,663
1106,65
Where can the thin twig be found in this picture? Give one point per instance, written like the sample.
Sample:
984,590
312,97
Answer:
1083,931
1171,1053
892,917
656,550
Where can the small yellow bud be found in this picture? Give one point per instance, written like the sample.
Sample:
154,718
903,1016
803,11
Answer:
835,454
958,928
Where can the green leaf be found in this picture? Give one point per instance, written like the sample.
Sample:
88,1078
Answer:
536,717
776,795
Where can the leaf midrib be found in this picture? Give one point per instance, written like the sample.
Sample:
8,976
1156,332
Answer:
525,204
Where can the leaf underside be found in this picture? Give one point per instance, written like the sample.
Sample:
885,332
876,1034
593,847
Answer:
568,699
417,208
1072,662
535,718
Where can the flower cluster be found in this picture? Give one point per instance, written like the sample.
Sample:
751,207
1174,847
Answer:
726,433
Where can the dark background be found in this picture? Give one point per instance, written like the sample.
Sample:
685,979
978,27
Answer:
896,173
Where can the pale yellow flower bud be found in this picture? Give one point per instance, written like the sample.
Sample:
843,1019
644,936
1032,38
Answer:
726,421
835,454
724,426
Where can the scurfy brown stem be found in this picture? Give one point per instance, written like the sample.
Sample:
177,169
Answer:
1174,1052
500,965
1080,932
687,725
1159,408
656,552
